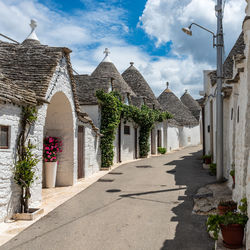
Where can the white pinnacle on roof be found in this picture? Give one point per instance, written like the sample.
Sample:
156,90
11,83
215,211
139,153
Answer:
106,58
32,34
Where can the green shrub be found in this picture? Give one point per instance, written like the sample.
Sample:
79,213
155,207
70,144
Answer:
162,150
212,168
204,157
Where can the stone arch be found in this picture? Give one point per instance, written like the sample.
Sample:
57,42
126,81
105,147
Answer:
59,122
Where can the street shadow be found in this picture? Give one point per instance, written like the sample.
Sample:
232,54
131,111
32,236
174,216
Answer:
191,229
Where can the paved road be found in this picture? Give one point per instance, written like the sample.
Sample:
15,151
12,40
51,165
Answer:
144,205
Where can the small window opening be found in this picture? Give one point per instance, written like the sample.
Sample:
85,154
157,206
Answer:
126,130
232,113
4,137
238,115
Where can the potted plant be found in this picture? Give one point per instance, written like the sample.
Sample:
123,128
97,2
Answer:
207,158
231,224
52,146
226,206
162,150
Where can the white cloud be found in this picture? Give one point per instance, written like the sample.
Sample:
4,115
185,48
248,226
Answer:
162,20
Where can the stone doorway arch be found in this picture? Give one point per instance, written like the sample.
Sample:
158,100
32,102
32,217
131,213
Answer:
59,123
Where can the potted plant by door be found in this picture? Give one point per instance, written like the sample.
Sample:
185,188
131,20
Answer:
52,146
207,159
231,224
226,206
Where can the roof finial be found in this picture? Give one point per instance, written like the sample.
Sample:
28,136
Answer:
106,51
131,63
186,90
167,84
32,34
106,58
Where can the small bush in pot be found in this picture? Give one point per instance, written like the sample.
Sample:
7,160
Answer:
162,150
226,206
231,224
207,158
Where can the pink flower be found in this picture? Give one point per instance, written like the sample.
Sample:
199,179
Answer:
46,159
46,148
48,156
51,139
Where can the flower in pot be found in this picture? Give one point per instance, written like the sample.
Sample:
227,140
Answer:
207,159
232,226
52,146
227,206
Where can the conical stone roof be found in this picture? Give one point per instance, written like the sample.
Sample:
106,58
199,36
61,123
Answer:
171,103
106,69
192,104
140,86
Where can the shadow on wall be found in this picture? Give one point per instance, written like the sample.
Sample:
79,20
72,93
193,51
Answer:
191,229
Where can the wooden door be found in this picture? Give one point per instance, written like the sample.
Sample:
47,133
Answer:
81,149
136,144
158,138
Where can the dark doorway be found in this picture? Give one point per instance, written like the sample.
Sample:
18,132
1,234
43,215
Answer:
158,138
211,129
81,152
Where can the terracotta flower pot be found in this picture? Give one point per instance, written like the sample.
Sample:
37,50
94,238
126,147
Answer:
208,161
233,235
50,174
224,209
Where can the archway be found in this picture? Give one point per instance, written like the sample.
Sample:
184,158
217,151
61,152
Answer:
59,123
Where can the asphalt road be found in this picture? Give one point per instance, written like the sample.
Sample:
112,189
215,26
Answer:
144,205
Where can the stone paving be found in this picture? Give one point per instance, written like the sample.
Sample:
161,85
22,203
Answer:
143,205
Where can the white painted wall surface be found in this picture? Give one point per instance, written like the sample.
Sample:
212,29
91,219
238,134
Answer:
172,138
9,191
94,113
92,152
127,142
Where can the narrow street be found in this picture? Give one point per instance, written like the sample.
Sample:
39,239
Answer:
144,205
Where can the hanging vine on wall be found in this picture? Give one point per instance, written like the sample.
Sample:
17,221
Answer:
112,109
24,173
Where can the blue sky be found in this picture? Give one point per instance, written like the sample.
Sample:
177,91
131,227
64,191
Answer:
147,32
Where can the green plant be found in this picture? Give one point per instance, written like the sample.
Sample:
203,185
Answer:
243,206
212,168
24,172
214,221
112,110
162,150
206,157
232,173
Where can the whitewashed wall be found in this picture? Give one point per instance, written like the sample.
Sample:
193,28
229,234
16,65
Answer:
92,153
94,113
172,138
9,191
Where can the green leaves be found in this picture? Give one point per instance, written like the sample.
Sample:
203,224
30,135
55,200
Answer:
112,110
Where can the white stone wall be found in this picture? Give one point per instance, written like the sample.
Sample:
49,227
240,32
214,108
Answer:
94,113
92,152
172,138
9,191
127,142
189,136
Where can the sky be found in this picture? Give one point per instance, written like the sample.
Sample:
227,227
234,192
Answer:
146,32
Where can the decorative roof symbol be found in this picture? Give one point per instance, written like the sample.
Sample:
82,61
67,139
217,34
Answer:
106,58
32,35
131,63
167,83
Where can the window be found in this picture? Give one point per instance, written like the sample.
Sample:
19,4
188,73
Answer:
126,100
4,136
126,130
232,113
238,115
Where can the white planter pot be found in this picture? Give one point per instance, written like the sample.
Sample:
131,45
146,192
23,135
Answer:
50,174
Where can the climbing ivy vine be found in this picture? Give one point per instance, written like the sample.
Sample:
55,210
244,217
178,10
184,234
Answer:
24,173
112,110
